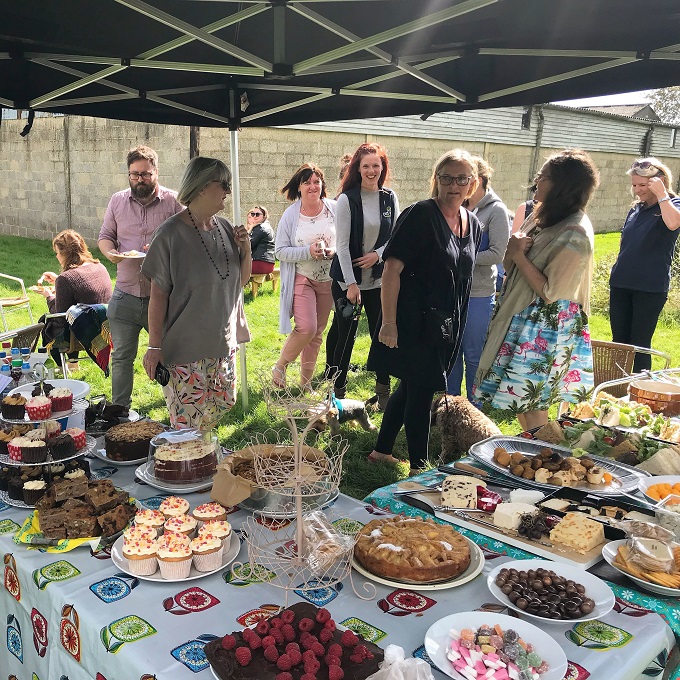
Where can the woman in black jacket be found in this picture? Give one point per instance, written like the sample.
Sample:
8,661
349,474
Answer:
261,240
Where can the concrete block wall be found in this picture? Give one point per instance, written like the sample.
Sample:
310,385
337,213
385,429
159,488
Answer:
63,173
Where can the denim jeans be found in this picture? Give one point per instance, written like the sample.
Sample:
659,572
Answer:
127,316
474,336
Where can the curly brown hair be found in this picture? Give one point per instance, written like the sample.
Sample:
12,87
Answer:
72,247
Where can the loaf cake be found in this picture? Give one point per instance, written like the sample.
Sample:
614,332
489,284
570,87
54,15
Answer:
185,461
301,639
407,549
130,441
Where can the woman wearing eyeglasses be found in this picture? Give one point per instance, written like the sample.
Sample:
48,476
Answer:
639,281
537,350
367,212
261,240
425,292
197,264
305,245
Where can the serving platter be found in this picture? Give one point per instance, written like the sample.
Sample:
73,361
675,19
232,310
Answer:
625,478
474,569
101,455
437,641
143,472
90,444
79,388
78,405
228,556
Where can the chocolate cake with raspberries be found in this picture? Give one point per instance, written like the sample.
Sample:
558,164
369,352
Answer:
301,643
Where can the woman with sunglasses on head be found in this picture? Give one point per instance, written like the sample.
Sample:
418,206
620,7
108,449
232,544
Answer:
639,281
305,245
366,214
537,350
197,263
261,240
425,292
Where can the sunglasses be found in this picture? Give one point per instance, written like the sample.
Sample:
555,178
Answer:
255,214
645,169
223,183
460,180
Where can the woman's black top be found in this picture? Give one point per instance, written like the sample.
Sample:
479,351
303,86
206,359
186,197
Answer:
262,242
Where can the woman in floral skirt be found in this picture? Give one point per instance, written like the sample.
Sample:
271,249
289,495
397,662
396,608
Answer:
538,351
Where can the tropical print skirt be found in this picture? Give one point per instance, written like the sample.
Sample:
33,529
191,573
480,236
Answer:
200,393
545,358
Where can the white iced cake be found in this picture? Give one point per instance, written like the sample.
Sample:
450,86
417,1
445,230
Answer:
508,515
579,532
460,491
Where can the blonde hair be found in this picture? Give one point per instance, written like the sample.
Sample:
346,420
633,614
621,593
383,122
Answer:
664,173
454,156
199,173
72,247
263,210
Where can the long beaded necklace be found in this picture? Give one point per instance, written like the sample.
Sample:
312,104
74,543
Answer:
224,245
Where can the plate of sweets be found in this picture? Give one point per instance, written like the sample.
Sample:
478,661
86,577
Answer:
489,645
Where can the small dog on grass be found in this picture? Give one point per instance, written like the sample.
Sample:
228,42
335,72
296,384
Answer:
460,424
344,411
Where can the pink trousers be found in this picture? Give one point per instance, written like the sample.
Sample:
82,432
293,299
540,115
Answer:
312,303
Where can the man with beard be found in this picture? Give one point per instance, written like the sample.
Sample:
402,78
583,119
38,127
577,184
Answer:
131,219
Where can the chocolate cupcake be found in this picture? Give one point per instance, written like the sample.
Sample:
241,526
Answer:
6,435
62,446
15,487
34,451
5,473
13,407
34,491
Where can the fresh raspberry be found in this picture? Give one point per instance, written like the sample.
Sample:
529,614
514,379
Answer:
370,656
325,635
283,663
335,650
322,616
276,622
262,627
228,642
243,655
288,632
255,641
271,654
292,645
295,657
268,641
247,632
288,616
308,656
332,660
356,658
308,676
284,676
335,673
306,625
318,649
312,667
349,639
308,641
330,624
277,635
361,650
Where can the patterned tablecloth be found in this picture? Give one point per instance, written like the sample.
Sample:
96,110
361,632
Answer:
74,616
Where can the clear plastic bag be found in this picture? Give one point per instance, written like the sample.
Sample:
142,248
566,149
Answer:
323,544
396,667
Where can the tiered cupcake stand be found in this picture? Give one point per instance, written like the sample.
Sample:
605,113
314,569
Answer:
306,478
78,406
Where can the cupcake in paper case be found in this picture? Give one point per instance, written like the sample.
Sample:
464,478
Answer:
15,487
52,428
34,491
174,556
62,399
13,407
150,519
75,474
207,552
136,532
79,437
62,446
141,556
39,408
219,528
37,433
209,512
173,506
14,448
6,436
34,451
182,524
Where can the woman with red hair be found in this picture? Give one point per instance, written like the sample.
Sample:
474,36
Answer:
364,219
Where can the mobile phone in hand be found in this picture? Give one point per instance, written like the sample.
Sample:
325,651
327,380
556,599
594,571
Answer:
162,375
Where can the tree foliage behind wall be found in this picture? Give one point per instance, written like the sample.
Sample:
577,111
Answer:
666,104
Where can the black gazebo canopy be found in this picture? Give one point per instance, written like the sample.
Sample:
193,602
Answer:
277,62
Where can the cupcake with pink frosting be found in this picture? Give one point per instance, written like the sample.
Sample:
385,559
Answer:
207,552
141,556
172,506
174,556
209,512
182,524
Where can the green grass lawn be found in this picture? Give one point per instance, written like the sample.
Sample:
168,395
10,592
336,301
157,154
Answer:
28,258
